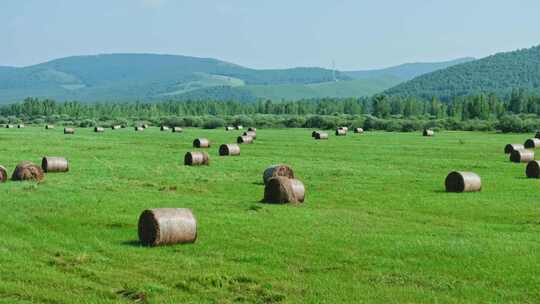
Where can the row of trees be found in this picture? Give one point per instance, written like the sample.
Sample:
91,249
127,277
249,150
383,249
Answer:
518,106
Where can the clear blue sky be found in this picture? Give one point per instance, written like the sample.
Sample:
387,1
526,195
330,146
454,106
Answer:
357,34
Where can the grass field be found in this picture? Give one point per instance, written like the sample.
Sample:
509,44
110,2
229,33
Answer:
376,227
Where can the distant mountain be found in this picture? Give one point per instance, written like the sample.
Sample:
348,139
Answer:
407,71
150,77
499,73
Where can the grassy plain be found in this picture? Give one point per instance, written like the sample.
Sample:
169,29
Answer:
376,227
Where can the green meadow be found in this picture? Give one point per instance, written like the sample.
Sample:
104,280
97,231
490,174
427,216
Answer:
376,226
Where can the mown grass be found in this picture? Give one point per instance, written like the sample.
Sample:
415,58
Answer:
376,227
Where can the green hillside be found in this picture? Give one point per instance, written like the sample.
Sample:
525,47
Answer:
499,74
407,71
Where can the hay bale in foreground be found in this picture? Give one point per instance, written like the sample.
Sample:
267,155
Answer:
533,169
99,129
532,143
463,182
51,164
428,132
49,127
341,132
69,131
164,128
229,128
358,130
116,127
321,135
3,174
251,134
27,171
282,190
229,149
251,129
20,126
522,156
277,170
196,159
177,130
244,139
166,226
139,129
201,143
512,147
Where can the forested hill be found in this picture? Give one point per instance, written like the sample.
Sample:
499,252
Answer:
407,71
500,74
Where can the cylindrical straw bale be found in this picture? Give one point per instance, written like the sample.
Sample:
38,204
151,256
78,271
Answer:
177,130
54,164
99,129
532,143
229,128
116,127
69,131
522,156
139,129
282,190
10,126
164,128
20,126
277,170
239,127
463,182
27,171
321,135
511,147
533,169
48,127
428,132
229,149
252,129
358,130
201,143
341,132
146,126
244,140
196,159
3,174
252,134
166,226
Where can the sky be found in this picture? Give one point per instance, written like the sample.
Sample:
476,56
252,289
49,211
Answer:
356,34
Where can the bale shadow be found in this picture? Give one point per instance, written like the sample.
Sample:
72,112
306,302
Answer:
258,183
133,243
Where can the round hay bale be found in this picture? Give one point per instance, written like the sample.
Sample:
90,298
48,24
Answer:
532,143
69,131
251,129
116,127
358,130
252,134
27,171
166,226
282,190
3,174
48,127
321,135
164,128
139,129
314,133
54,164
201,143
196,159
341,132
533,169
522,156
239,127
20,126
10,126
99,129
146,126
229,128
277,170
244,139
177,130
428,132
511,147
229,149
463,182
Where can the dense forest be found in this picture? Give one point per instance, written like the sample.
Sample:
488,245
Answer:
517,112
497,74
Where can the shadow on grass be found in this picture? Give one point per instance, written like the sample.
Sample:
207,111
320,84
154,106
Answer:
258,183
133,243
